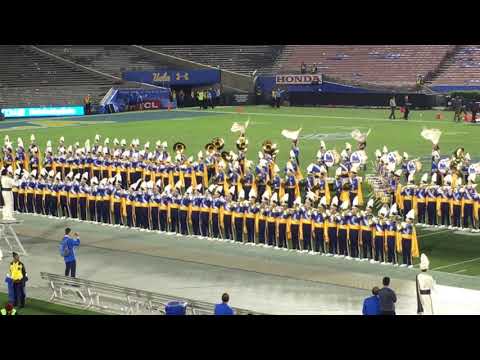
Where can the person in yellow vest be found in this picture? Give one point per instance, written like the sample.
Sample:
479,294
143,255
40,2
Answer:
18,275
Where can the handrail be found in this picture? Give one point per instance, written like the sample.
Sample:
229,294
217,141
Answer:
114,299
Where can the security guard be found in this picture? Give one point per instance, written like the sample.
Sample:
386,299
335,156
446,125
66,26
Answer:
18,274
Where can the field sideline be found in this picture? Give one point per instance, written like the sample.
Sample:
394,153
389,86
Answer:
449,251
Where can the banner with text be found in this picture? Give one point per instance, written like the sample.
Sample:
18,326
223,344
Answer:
174,77
296,79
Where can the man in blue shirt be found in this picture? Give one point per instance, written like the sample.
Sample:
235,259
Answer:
371,305
67,250
224,308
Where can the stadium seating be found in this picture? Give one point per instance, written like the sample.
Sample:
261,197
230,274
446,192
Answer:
461,69
109,59
28,78
385,64
242,59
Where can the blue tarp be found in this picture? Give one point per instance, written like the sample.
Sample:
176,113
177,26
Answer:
125,98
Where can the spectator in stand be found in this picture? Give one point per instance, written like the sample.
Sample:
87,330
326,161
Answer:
393,106
205,98
314,69
371,305
88,104
387,298
224,308
303,68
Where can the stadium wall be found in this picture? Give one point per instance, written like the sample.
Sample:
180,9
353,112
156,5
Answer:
450,88
174,77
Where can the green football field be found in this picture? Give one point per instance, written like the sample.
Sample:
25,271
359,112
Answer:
449,251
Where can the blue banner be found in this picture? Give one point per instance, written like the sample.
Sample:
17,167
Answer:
44,111
141,99
168,78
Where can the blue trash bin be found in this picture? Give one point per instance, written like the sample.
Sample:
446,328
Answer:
176,308
9,282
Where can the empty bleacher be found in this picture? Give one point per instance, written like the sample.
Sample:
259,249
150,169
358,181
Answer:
110,59
461,69
379,64
242,59
28,78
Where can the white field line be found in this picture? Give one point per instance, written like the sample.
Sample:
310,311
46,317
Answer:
322,117
459,271
461,262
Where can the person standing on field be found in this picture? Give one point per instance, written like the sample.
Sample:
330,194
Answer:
67,250
425,286
393,106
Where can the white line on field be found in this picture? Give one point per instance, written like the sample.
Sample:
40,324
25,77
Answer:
321,116
433,233
461,262
460,271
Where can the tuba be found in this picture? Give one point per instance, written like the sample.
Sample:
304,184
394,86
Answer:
179,147
218,143
209,147
267,147
226,156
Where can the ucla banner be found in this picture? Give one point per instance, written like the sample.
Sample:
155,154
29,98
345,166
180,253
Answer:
174,77
49,111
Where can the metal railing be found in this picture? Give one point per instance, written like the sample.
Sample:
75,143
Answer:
118,300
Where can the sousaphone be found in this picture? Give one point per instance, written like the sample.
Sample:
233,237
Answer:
179,147
218,143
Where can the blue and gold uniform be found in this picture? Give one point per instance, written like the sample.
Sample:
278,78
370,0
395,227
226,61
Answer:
92,202
226,219
283,226
467,208
22,192
30,197
184,210
272,215
342,234
421,201
251,213
261,223
431,199
73,199
366,235
444,207
164,216
354,234
83,190
215,216
456,207
379,239
238,216
390,236
318,221
331,233
306,228
407,243
155,203
295,229
205,215
195,213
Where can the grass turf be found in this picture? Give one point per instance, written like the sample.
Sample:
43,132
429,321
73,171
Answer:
39,307
333,125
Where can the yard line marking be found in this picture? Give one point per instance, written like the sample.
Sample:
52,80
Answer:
321,116
459,271
434,233
461,262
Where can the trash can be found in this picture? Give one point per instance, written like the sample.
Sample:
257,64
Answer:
9,282
176,308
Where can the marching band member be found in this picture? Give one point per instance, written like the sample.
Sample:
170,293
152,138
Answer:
226,215
73,196
22,191
238,216
407,194
116,201
431,196
379,235
55,197
205,212
92,199
291,185
467,203
283,227
355,185
342,232
174,208
184,210
391,235
248,179
407,243
39,192
155,203
306,222
421,199
21,159
295,229
444,200
272,214
251,214
456,205
425,286
16,189
83,191
261,220
215,213
47,193
366,234
163,216
318,220
195,211
354,229
30,199
331,222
